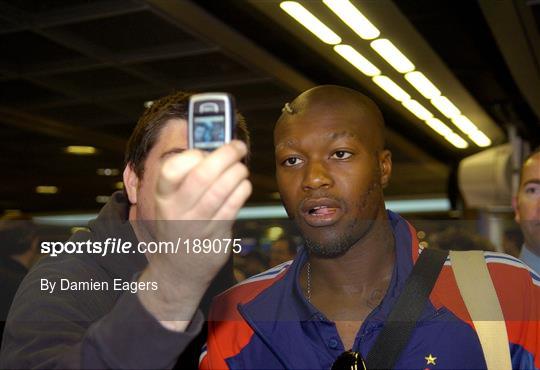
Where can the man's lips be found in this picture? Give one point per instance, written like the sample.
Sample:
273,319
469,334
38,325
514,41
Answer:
320,211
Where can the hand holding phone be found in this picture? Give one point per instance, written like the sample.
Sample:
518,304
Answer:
211,120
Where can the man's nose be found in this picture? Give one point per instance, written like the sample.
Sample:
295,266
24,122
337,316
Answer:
316,176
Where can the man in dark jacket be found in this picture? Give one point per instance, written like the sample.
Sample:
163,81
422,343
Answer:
18,251
130,308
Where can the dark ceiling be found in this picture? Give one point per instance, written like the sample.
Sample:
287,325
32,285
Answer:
78,73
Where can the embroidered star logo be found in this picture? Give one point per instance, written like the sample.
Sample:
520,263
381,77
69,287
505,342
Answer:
430,359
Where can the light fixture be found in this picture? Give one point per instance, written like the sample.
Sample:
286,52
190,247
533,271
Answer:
80,150
438,126
102,198
445,106
353,18
480,139
417,109
356,59
456,140
147,104
392,55
472,131
464,124
46,189
422,84
119,185
274,233
312,23
391,88
107,171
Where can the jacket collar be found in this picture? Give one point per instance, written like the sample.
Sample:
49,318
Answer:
279,313
112,222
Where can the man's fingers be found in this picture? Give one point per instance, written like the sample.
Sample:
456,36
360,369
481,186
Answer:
218,193
175,169
207,172
229,210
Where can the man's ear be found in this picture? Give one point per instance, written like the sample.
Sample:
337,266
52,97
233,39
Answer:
516,210
385,165
131,183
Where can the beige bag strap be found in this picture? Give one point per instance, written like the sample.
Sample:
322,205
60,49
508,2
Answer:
480,297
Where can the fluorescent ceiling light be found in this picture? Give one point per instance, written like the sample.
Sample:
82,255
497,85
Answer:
352,17
417,109
65,219
356,59
438,126
456,141
80,150
445,106
464,124
247,213
480,139
422,84
312,23
392,55
391,88
419,205
46,189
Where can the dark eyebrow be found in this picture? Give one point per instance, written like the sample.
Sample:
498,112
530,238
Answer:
172,151
288,143
330,135
533,181
339,135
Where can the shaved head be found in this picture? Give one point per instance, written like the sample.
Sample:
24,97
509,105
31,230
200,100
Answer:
327,99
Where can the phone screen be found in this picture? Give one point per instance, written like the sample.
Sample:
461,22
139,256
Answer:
209,131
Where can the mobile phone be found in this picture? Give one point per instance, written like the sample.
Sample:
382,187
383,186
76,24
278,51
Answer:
211,120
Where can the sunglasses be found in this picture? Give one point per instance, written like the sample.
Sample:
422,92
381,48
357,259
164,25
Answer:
349,360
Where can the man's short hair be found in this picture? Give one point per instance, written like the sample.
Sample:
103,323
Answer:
146,132
532,154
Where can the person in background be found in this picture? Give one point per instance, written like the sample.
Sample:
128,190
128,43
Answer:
460,240
18,252
526,205
254,263
282,250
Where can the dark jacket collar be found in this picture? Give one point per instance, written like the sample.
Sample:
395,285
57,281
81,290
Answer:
112,222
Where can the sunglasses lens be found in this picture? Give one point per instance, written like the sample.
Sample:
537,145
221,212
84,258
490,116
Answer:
349,361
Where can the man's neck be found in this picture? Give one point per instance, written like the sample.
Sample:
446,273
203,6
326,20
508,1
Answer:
529,256
347,288
366,264
533,248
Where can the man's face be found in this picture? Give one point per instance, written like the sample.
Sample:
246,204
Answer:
171,139
527,203
330,176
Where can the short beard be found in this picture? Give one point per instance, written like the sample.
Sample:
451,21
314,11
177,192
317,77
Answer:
339,244
338,247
